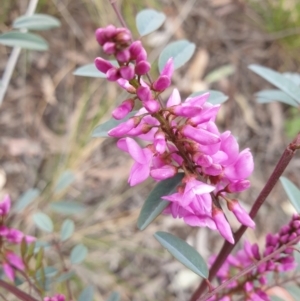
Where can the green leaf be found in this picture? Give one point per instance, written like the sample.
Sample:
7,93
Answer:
183,252
65,276
102,129
67,229
219,73
148,20
154,205
181,52
50,271
90,70
266,96
87,294
39,259
43,222
40,244
292,191
64,181
78,253
36,22
293,290
67,207
278,80
114,296
26,198
215,97
275,298
24,40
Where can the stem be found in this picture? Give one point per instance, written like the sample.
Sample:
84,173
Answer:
13,58
247,270
119,15
16,292
227,247
66,269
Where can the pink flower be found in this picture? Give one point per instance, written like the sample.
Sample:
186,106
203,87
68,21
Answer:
200,135
222,224
241,215
123,128
15,261
195,189
164,172
8,271
5,205
123,109
142,67
242,167
103,65
140,170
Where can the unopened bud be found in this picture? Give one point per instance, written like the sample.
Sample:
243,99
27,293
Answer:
123,109
142,67
162,83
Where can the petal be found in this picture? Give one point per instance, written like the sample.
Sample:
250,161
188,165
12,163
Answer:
8,271
174,99
135,151
138,174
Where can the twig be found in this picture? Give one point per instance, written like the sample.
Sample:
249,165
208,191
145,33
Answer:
227,247
247,270
66,269
11,63
16,292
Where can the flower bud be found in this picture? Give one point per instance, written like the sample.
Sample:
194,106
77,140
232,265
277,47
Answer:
255,251
127,72
144,93
162,83
241,215
113,74
142,67
135,49
184,111
100,36
164,172
238,186
123,56
103,65
109,47
168,68
5,205
200,135
123,128
151,105
222,224
15,260
123,109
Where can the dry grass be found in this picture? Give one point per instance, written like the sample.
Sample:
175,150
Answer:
48,115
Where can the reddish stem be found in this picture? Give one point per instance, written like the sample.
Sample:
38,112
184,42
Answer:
227,247
16,292
247,270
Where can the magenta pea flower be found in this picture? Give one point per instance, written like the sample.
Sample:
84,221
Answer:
195,189
241,215
8,271
222,224
140,170
15,261
5,205
242,167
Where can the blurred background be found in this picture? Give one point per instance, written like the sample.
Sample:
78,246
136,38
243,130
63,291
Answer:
50,163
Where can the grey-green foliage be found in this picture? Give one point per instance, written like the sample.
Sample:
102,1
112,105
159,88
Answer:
28,40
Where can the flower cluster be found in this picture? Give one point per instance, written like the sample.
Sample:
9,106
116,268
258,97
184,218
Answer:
253,284
182,137
8,237
57,297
